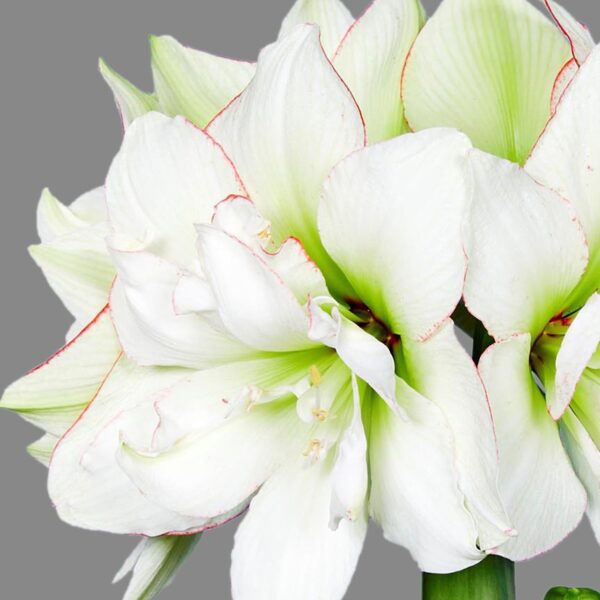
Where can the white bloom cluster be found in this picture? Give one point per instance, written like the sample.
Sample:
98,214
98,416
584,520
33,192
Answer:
267,292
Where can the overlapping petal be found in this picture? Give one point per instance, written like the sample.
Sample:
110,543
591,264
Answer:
537,483
332,17
585,456
371,58
423,509
73,254
566,159
289,520
55,393
526,250
212,470
488,68
192,83
391,216
443,372
167,176
286,131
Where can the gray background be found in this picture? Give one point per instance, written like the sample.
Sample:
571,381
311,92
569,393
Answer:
59,128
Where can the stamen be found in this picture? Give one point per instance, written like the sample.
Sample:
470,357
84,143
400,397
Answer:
320,414
313,451
315,375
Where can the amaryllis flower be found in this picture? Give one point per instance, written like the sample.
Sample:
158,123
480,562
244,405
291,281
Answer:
533,279
494,69
278,339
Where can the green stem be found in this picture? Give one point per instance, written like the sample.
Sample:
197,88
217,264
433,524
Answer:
491,579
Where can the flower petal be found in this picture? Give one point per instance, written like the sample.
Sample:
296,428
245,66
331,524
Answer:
73,254
391,217
371,58
253,301
443,372
154,563
585,456
167,177
526,250
350,477
284,547
195,84
332,17
206,456
149,328
210,473
55,393
578,347
486,67
43,448
420,508
537,484
578,35
86,483
566,159
268,130
364,355
131,102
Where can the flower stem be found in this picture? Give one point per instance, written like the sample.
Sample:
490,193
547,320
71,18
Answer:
491,579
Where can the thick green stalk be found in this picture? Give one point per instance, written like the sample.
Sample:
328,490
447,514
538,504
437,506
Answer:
491,579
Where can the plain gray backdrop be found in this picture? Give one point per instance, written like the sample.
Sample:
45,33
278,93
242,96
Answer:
59,128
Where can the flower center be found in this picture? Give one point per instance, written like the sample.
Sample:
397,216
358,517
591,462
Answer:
373,325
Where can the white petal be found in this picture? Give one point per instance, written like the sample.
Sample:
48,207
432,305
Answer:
192,83
284,548
149,328
443,372
54,394
214,460
537,484
585,456
366,356
269,128
253,301
87,485
238,217
211,472
391,217
193,294
350,477
486,67
167,177
371,59
332,17
526,250
577,34
154,563
566,159
131,102
415,493
73,253
576,350
43,448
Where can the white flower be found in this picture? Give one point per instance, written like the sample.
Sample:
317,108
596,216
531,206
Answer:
278,335
534,252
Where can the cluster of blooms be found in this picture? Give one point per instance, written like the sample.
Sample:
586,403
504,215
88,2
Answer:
267,292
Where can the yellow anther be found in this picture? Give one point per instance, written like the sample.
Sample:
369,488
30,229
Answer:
265,234
315,375
320,413
313,450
